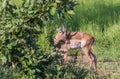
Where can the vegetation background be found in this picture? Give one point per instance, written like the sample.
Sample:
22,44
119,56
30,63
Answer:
27,29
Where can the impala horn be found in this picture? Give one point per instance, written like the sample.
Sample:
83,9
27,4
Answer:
64,28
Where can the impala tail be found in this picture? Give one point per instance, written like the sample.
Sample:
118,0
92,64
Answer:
93,39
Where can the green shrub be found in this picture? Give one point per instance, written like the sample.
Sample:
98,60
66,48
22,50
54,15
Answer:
21,22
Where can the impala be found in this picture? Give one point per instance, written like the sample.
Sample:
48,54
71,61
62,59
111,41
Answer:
75,40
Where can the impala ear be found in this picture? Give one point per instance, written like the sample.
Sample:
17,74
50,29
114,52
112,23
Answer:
60,30
64,29
57,28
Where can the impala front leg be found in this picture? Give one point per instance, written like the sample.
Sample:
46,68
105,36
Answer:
64,50
65,54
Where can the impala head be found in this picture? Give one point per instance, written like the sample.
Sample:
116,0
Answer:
60,36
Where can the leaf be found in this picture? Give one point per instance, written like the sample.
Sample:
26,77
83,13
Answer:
8,56
18,3
8,26
71,12
4,4
14,43
9,46
38,70
58,67
1,55
1,32
3,58
58,1
24,64
30,71
27,2
52,11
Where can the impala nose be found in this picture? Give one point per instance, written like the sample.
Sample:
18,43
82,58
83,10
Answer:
61,50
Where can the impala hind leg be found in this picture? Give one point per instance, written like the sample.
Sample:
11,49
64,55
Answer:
93,60
90,56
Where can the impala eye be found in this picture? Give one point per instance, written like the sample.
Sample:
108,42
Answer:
61,32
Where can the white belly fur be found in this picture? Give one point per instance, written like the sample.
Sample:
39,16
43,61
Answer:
74,44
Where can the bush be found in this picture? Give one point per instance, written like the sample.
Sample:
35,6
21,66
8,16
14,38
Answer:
21,22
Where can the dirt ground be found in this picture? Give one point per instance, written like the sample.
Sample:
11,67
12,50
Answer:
104,68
